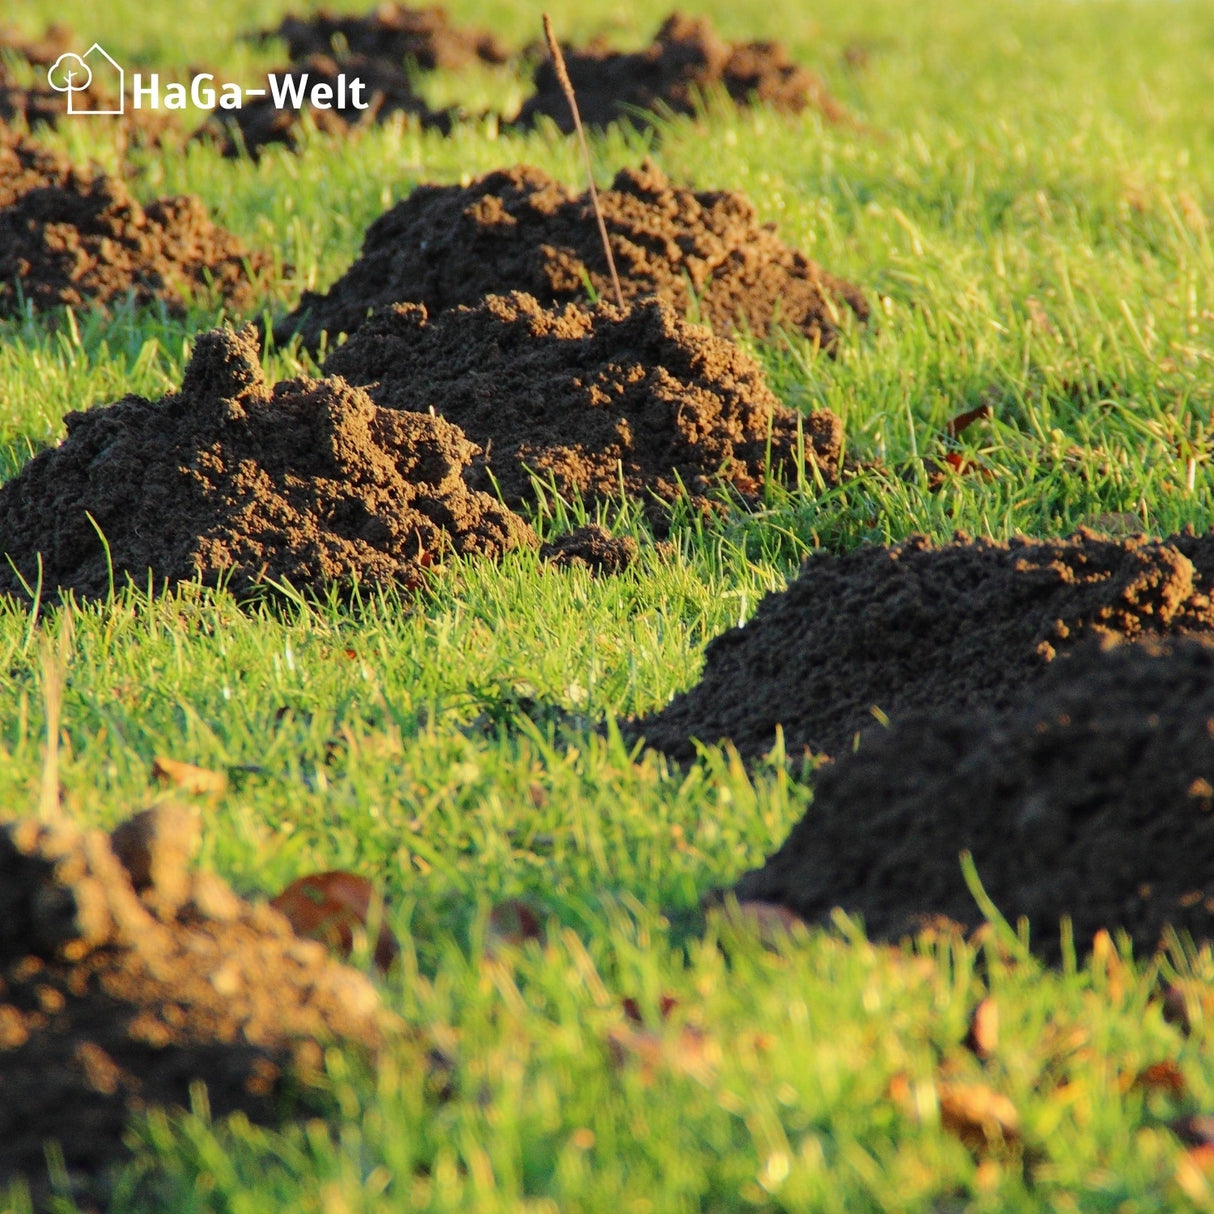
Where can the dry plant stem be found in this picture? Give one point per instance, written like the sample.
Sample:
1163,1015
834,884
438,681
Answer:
54,671
562,76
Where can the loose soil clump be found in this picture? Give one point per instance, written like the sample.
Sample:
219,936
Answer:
228,481
392,32
956,628
125,978
257,124
592,547
518,229
1089,795
68,236
686,62
592,401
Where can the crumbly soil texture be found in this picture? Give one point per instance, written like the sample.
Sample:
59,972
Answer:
229,481
959,627
593,402
258,124
1090,795
705,253
686,62
125,978
69,236
393,32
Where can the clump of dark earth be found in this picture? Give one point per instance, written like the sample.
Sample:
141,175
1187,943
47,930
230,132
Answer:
388,91
1090,794
591,401
961,627
685,63
69,236
394,32
519,230
125,977
592,547
228,481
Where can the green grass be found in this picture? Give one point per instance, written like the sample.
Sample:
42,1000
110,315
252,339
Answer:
1027,198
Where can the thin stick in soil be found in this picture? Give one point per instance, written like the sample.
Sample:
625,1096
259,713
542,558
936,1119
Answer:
562,76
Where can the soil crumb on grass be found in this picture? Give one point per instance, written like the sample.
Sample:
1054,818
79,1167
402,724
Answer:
593,401
1089,795
519,230
686,61
229,481
257,124
69,236
393,32
955,628
125,978
592,547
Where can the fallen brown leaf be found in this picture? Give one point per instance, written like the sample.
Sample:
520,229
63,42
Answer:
331,907
963,421
187,778
983,1036
982,1118
1163,1076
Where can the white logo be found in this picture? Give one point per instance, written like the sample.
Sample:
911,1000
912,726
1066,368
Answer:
72,74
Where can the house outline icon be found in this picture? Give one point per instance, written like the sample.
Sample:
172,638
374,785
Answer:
97,53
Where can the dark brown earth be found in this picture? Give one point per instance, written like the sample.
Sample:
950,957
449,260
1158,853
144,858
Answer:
518,230
592,547
684,64
394,32
69,236
957,628
589,400
125,978
1090,795
229,481
259,123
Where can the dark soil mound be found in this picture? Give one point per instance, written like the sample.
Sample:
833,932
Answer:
69,237
394,32
124,978
685,62
226,480
518,230
388,90
593,548
940,629
1090,795
591,400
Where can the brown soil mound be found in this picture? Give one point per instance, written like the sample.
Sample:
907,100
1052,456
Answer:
395,32
593,400
388,91
1089,796
68,236
963,626
226,480
686,61
124,978
592,547
518,230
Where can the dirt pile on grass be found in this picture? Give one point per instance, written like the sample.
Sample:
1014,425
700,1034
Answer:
592,547
956,628
519,230
125,977
387,91
1089,795
593,401
68,236
393,32
686,62
228,480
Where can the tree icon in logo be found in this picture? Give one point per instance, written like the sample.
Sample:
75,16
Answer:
72,74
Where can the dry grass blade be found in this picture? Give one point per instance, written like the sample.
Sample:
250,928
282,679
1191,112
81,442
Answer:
562,75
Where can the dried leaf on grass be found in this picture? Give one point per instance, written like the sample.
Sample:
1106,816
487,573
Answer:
187,778
334,908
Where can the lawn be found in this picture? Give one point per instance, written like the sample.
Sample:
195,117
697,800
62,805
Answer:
1026,196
